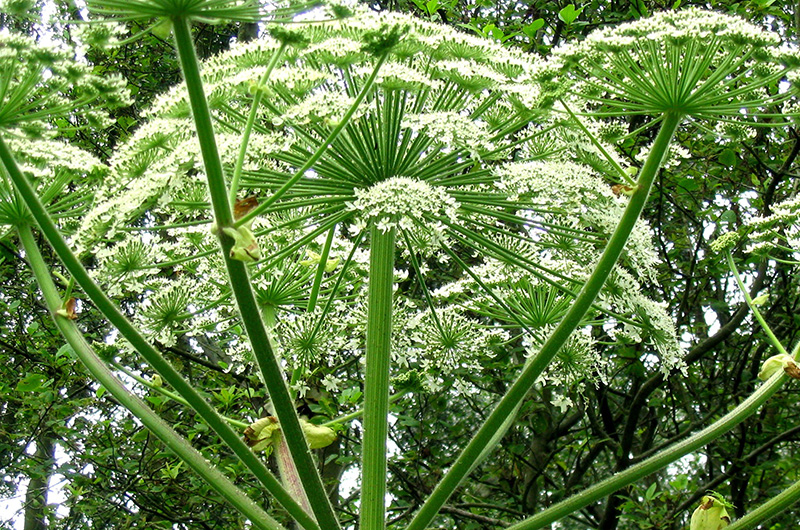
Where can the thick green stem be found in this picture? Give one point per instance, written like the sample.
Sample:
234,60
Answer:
376,383
660,460
145,349
242,289
175,442
472,454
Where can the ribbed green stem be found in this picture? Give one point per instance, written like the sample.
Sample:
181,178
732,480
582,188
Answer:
242,289
145,349
660,460
471,455
174,441
376,383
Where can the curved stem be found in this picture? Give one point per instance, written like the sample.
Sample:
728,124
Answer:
243,292
376,383
174,441
145,349
471,455
660,460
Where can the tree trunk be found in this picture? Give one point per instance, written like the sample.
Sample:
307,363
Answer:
36,495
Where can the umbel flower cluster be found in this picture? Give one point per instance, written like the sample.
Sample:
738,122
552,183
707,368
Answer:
443,140
700,64
44,92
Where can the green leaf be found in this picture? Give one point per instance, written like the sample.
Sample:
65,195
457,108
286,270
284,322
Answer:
569,14
31,383
650,494
681,482
728,157
531,29
66,351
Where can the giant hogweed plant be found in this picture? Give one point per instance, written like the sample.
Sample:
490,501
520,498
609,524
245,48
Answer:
273,202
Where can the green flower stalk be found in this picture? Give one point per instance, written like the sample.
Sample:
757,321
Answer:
209,11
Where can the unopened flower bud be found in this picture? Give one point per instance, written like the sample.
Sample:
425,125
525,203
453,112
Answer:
317,436
265,432
68,310
245,246
761,300
314,259
712,514
775,363
262,433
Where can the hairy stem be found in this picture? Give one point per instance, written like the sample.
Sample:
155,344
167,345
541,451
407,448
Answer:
376,384
174,441
242,289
